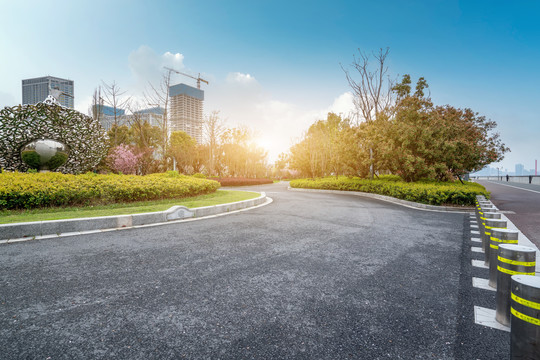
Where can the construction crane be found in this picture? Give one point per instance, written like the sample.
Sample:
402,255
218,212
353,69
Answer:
199,79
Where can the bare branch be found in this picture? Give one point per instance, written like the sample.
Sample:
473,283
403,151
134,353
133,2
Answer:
373,90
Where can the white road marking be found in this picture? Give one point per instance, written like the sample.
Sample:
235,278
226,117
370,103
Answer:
479,264
481,283
486,317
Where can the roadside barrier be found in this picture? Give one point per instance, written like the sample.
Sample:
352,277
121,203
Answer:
485,238
512,260
525,323
491,224
484,208
498,237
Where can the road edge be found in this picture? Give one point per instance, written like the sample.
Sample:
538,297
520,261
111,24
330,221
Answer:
406,203
16,232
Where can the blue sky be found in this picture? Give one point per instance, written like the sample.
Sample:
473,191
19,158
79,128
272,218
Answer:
275,65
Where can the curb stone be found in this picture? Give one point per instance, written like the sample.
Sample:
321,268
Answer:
411,204
29,230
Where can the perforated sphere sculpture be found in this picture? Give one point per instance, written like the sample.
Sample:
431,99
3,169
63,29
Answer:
23,124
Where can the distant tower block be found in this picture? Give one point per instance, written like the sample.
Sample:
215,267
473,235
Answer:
37,89
187,110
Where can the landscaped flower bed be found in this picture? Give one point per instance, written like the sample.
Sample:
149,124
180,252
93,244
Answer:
434,193
27,191
240,181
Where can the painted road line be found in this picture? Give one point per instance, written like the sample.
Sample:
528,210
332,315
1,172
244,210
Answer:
486,317
479,264
477,249
515,187
476,240
474,226
475,232
481,283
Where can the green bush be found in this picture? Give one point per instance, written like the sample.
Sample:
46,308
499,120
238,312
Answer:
433,193
26,191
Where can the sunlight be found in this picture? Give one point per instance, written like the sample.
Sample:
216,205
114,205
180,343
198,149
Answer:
263,142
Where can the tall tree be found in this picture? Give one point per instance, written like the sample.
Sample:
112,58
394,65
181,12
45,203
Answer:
371,85
183,149
213,130
372,90
114,97
159,96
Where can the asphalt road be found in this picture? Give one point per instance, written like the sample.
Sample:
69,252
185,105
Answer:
310,276
523,202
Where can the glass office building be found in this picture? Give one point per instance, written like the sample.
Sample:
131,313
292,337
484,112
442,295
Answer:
37,89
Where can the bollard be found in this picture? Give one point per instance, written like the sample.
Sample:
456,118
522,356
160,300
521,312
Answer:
512,260
525,323
480,215
483,209
485,216
498,237
491,224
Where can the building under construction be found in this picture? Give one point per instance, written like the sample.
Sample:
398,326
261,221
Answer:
186,111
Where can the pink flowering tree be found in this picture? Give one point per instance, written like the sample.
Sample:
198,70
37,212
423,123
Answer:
123,159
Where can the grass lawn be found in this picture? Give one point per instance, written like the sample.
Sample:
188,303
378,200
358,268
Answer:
219,197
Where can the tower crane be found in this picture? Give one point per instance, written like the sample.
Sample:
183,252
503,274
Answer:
199,79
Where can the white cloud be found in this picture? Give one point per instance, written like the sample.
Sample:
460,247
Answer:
343,104
239,78
147,66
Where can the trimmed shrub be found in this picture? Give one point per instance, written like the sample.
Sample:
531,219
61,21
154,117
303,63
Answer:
428,192
239,181
26,191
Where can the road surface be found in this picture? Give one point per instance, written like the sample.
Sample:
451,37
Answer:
310,276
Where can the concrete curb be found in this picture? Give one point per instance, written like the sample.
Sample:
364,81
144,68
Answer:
56,227
410,204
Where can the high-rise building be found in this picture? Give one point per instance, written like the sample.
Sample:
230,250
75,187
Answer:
519,169
37,89
106,116
186,110
153,116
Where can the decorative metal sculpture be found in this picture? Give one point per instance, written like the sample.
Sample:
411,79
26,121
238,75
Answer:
22,125
45,154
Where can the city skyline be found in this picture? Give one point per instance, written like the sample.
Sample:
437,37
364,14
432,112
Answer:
285,66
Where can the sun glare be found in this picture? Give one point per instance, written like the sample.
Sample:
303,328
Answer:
263,142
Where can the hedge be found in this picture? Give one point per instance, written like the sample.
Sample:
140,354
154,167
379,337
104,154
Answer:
427,192
26,190
240,181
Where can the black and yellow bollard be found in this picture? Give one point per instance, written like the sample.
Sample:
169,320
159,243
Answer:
498,237
485,238
491,224
525,323
512,260
480,216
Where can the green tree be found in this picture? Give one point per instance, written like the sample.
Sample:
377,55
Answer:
183,149
121,133
424,141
